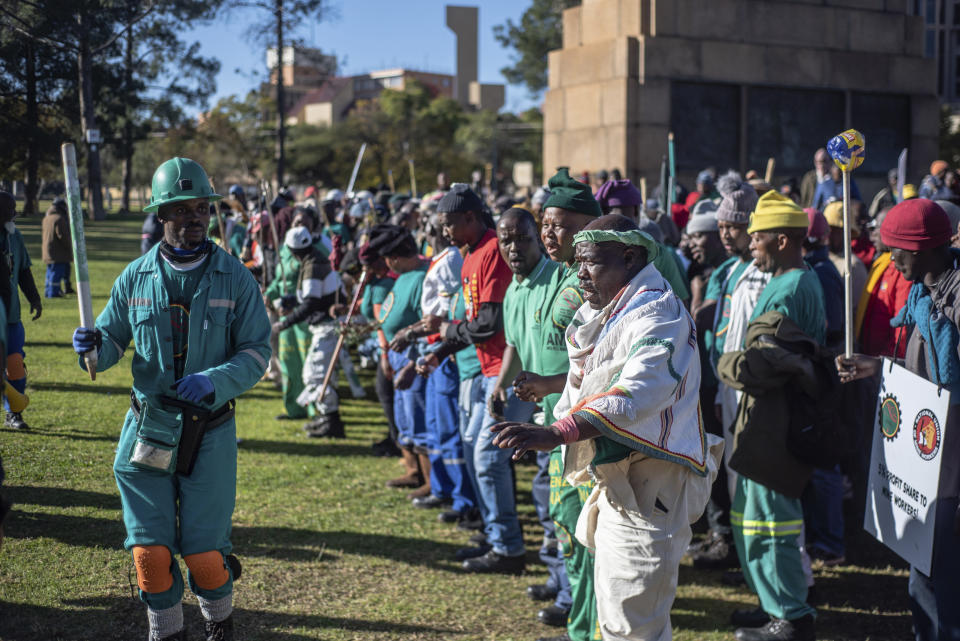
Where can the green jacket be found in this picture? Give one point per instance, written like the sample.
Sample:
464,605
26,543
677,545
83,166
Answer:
229,336
773,362
285,280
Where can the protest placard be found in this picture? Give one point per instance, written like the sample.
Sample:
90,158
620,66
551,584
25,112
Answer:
908,434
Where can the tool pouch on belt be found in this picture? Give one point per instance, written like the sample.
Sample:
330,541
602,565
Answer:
196,422
158,437
169,440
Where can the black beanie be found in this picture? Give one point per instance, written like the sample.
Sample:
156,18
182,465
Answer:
387,239
459,199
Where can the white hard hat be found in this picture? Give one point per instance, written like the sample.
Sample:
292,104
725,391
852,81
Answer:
333,195
298,238
360,209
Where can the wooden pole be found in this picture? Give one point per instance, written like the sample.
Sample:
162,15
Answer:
336,352
75,205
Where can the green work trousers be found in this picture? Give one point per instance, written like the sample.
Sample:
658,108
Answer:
766,525
294,345
566,502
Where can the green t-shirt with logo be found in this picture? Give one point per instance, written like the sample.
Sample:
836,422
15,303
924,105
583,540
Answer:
566,298
525,310
401,307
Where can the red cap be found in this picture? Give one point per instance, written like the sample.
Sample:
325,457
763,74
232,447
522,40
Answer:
915,225
818,227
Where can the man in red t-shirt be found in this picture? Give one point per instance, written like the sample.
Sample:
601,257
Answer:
485,277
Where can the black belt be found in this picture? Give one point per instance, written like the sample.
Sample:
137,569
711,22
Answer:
196,422
215,418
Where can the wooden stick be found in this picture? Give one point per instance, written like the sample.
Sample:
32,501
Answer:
74,204
771,165
336,351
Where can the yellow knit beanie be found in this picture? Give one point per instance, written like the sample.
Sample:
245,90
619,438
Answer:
776,211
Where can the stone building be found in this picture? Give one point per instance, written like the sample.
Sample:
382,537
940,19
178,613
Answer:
738,81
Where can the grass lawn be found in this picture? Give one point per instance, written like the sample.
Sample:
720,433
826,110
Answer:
328,551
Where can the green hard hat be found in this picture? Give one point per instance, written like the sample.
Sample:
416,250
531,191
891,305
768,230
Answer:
179,179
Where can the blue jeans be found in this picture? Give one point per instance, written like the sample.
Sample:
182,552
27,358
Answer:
56,272
448,471
471,405
933,599
409,407
493,473
823,511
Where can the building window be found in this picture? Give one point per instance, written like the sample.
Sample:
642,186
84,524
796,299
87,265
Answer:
709,135
790,124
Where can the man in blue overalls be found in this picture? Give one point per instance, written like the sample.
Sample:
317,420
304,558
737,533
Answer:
202,338
14,253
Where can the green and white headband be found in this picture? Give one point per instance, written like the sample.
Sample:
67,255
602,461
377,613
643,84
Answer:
631,237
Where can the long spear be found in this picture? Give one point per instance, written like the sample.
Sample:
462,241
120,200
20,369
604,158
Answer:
276,249
356,168
74,204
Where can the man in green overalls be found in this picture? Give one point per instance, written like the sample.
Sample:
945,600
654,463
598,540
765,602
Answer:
201,338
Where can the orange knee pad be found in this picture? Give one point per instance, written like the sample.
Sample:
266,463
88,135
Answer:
15,367
153,568
207,569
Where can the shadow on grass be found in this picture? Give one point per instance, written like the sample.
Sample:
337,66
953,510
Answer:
90,387
62,497
305,448
64,344
118,618
73,435
289,544
85,531
294,544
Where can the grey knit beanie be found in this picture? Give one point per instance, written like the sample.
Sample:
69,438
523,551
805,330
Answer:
737,206
704,223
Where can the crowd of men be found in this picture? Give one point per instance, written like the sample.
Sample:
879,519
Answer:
644,357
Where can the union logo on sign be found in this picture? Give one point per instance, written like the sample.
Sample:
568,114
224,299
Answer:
890,418
926,434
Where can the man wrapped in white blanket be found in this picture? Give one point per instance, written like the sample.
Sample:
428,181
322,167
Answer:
631,420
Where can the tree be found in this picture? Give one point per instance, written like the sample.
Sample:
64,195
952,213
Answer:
35,113
93,35
436,132
149,47
118,55
539,32
285,16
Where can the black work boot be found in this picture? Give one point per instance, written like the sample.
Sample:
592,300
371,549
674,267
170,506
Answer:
718,554
15,421
801,629
328,425
219,630
755,618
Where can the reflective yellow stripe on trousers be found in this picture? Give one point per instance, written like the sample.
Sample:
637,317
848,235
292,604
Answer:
765,528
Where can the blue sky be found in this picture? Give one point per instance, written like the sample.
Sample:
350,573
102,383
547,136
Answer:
366,35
